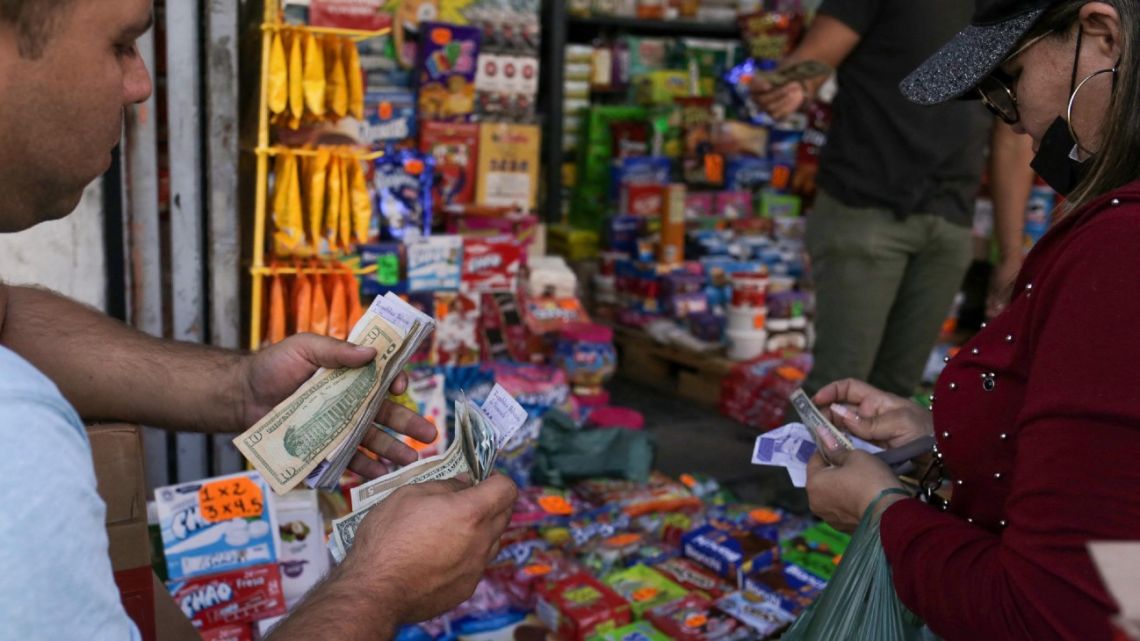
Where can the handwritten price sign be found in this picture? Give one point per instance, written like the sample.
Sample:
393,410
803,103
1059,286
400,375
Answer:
234,498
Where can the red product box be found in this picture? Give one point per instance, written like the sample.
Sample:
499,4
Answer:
647,201
240,596
694,577
693,618
491,264
455,148
366,15
233,632
579,607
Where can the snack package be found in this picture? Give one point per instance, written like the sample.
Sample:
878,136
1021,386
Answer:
360,199
232,632
300,302
456,337
216,525
694,618
579,606
787,586
764,522
646,170
700,164
288,221
389,117
275,329
545,314
313,83
642,200
229,598
352,69
694,577
347,214
491,265
319,312
756,612
771,35
303,560
737,138
640,631
402,186
747,173
338,307
427,393
644,588
818,550
508,165
435,263
734,205
630,138
612,553
389,276
455,148
363,15
278,85
333,200
730,554
296,73
336,79
699,205
447,67
316,180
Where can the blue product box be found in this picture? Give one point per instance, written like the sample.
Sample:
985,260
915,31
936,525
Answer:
434,263
389,275
732,555
786,586
389,116
197,539
747,173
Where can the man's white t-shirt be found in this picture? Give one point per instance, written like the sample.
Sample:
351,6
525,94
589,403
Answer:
55,571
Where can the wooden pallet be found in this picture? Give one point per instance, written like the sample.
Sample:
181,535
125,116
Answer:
688,374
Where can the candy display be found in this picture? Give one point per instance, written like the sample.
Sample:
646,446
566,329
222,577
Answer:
402,183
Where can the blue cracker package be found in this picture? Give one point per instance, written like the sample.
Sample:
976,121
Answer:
747,173
756,612
624,231
402,187
434,263
389,275
732,555
784,144
739,81
389,117
786,586
639,170
763,522
195,544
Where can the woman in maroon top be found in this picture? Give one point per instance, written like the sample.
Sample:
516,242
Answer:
1037,419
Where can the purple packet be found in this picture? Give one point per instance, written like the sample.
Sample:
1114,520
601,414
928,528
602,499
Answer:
401,185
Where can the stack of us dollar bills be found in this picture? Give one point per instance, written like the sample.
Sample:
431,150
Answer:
480,432
311,436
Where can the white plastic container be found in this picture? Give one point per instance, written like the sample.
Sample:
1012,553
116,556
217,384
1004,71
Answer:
745,346
747,319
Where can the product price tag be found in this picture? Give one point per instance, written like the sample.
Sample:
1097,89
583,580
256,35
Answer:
234,498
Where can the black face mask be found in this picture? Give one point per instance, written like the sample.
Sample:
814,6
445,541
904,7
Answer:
1053,161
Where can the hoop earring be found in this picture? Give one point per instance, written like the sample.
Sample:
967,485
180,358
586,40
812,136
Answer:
1073,100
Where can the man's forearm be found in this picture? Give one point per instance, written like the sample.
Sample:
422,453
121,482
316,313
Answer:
1011,180
829,41
110,371
339,608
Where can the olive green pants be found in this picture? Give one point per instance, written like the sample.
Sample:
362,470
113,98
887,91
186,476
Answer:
884,286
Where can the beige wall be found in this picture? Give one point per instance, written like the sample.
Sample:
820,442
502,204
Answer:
65,255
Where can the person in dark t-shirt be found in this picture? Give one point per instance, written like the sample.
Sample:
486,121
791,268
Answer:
889,235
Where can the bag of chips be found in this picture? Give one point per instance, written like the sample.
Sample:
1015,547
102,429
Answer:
313,82
278,82
336,92
296,71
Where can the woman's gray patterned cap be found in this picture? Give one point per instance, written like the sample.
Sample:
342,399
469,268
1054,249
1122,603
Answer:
955,69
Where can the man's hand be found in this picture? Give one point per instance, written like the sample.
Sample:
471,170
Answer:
779,102
271,375
426,546
841,494
1001,285
874,415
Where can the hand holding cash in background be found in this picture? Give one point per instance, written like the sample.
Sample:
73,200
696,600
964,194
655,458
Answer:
873,415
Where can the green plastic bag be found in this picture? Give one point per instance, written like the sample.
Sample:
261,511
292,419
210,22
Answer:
568,453
859,602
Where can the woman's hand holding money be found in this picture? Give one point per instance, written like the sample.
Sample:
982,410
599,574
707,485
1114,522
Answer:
840,494
886,420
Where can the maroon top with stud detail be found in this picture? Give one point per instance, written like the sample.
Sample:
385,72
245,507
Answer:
1038,421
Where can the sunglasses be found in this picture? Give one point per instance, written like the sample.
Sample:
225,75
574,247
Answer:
996,89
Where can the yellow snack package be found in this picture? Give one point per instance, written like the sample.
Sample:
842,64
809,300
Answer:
336,92
313,82
345,201
289,234
355,79
296,71
361,201
317,179
278,76
332,204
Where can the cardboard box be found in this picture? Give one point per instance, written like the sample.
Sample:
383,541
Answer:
118,455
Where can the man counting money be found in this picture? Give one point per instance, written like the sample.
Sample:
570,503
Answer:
67,70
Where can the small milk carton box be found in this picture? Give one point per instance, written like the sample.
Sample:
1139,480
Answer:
216,525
